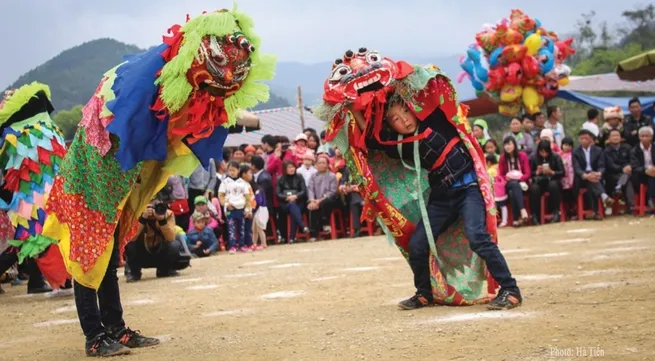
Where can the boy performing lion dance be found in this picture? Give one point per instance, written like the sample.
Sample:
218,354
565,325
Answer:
160,113
387,117
32,149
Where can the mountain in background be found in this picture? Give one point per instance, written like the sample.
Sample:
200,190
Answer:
74,74
289,75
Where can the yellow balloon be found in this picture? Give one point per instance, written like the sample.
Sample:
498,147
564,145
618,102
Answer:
563,81
530,99
510,109
533,43
510,93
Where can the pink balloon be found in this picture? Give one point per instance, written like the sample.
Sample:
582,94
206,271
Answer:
462,76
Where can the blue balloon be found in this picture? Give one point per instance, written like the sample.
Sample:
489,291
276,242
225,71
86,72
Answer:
469,67
494,57
481,73
548,43
477,84
474,54
546,61
538,23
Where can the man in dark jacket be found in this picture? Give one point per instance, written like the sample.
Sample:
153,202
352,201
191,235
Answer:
617,167
589,166
635,121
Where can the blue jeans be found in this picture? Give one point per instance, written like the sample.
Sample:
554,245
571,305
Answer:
248,231
295,212
443,210
515,196
236,228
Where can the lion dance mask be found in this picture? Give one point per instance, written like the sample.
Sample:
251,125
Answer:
160,113
396,197
31,153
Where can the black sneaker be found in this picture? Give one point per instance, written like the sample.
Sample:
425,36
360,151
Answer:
416,301
41,289
132,277
134,339
104,345
506,300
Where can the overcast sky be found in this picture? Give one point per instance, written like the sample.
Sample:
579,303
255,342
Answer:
34,31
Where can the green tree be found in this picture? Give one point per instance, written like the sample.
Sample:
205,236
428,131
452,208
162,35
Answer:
67,121
604,60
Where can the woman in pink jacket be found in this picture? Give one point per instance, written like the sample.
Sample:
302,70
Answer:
514,166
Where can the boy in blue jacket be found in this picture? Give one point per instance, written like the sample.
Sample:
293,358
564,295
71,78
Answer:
201,239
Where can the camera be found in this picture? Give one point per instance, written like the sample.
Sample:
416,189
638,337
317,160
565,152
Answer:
160,209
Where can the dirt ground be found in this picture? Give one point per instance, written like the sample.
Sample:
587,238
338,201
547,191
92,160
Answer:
588,290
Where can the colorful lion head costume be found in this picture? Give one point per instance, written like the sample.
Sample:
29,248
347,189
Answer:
365,81
160,113
31,151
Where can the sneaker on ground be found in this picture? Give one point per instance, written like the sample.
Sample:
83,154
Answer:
233,250
313,239
134,339
305,230
506,300
416,301
60,292
104,345
327,229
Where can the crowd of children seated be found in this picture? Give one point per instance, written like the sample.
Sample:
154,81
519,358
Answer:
610,170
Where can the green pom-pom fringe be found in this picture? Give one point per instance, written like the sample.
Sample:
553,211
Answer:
32,247
20,97
177,89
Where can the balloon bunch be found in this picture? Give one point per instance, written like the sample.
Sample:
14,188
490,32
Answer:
518,63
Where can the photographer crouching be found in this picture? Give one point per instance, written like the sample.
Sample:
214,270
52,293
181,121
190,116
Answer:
156,245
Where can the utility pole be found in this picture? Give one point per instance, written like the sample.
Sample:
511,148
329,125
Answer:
300,109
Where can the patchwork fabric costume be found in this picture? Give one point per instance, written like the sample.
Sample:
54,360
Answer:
392,194
31,152
160,113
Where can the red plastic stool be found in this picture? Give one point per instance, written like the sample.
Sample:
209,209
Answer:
548,216
337,228
582,212
273,236
642,201
367,227
299,233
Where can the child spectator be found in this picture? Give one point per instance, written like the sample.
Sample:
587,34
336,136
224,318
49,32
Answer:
568,196
213,215
201,239
325,147
491,148
499,188
260,217
234,194
300,148
307,168
245,173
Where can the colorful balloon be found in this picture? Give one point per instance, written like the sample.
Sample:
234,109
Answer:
530,67
524,63
546,61
530,99
533,43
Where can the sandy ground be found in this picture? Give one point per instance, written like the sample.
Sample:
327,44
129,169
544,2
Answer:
587,286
